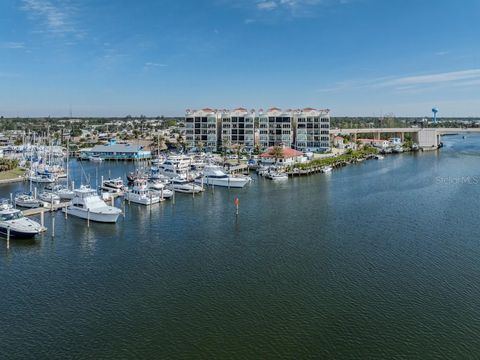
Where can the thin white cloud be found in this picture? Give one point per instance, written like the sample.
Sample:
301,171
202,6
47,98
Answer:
153,64
12,45
54,18
439,78
458,79
267,5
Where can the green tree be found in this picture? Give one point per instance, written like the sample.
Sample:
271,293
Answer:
276,152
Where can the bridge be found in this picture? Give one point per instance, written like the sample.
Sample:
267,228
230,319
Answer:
426,138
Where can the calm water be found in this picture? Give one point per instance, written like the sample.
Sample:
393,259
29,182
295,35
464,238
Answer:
376,260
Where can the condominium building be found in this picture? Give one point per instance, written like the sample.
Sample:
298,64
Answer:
238,128
201,129
312,130
276,128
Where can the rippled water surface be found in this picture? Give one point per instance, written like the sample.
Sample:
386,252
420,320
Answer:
376,260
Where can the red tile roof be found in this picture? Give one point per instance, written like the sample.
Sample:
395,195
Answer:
287,153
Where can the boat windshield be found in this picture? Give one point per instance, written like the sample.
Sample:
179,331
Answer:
11,216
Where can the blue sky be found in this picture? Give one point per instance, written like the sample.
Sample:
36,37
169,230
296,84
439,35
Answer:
154,57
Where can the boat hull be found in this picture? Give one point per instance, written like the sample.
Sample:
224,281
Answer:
231,183
142,200
93,216
18,234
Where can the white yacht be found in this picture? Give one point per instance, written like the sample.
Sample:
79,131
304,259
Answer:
184,186
113,186
216,176
140,193
26,201
62,191
175,166
326,169
19,225
49,197
88,205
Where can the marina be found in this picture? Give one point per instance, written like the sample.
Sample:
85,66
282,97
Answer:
325,255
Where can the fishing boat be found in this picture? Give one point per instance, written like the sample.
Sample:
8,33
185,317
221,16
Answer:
214,175
14,222
140,194
113,186
26,200
88,205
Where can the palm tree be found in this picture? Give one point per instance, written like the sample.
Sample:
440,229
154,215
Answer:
276,152
239,149
225,147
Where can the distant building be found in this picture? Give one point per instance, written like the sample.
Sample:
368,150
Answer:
114,151
201,129
238,128
381,144
312,130
275,128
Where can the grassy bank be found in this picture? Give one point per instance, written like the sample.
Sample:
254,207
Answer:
11,174
350,156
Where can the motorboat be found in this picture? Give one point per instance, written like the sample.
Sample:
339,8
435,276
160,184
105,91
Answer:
14,222
140,194
184,186
276,176
159,187
113,186
379,157
214,175
49,198
61,190
326,169
26,201
88,205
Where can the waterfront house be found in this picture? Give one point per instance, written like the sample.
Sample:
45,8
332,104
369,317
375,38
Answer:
381,144
114,151
289,156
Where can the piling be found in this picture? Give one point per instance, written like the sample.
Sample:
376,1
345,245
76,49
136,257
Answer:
66,212
53,226
8,237
88,217
42,219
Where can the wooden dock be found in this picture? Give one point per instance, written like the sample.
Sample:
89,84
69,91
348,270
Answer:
44,209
